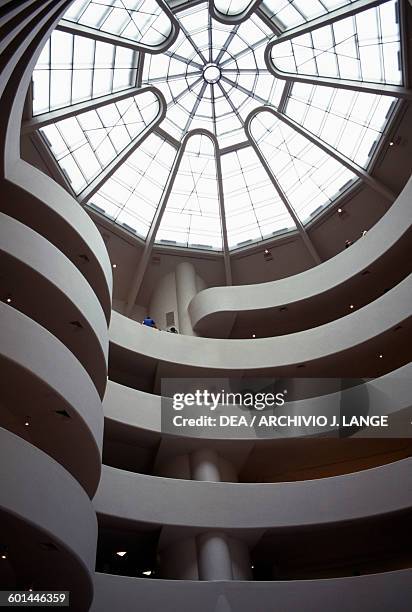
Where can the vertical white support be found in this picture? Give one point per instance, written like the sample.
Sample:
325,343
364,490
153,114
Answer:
214,559
204,464
186,290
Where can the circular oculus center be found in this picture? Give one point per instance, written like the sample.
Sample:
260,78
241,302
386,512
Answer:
211,73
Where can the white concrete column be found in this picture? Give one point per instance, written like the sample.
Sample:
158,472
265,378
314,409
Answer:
213,555
204,465
185,290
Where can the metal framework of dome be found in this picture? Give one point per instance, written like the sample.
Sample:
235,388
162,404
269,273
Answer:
219,124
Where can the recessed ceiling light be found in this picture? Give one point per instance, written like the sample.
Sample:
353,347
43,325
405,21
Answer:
76,324
340,211
266,252
26,423
381,356
114,266
351,306
121,553
253,335
252,566
147,573
4,556
8,300
391,143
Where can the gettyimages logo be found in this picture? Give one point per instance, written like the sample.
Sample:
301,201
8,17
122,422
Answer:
211,400
282,408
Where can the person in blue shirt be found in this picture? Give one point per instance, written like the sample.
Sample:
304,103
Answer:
149,322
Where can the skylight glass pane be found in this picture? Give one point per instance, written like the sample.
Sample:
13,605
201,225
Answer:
232,7
142,21
244,83
132,194
352,122
73,69
365,47
253,208
95,138
212,78
287,14
308,176
192,215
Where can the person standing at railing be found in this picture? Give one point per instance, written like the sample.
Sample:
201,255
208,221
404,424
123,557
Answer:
149,322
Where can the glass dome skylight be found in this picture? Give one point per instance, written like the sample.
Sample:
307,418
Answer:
217,124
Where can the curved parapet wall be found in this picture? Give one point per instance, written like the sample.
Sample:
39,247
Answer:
321,293
139,499
347,347
36,274
54,342
141,413
43,385
143,422
372,593
27,194
37,201
54,351
137,410
47,517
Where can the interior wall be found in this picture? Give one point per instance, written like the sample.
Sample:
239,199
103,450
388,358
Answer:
289,257
164,300
179,560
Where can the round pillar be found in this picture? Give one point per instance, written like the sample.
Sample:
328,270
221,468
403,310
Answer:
185,290
204,465
211,555
214,559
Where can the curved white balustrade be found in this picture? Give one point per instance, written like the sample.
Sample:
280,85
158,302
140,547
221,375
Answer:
374,593
139,499
140,413
37,201
335,348
46,517
213,310
36,274
28,194
44,385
